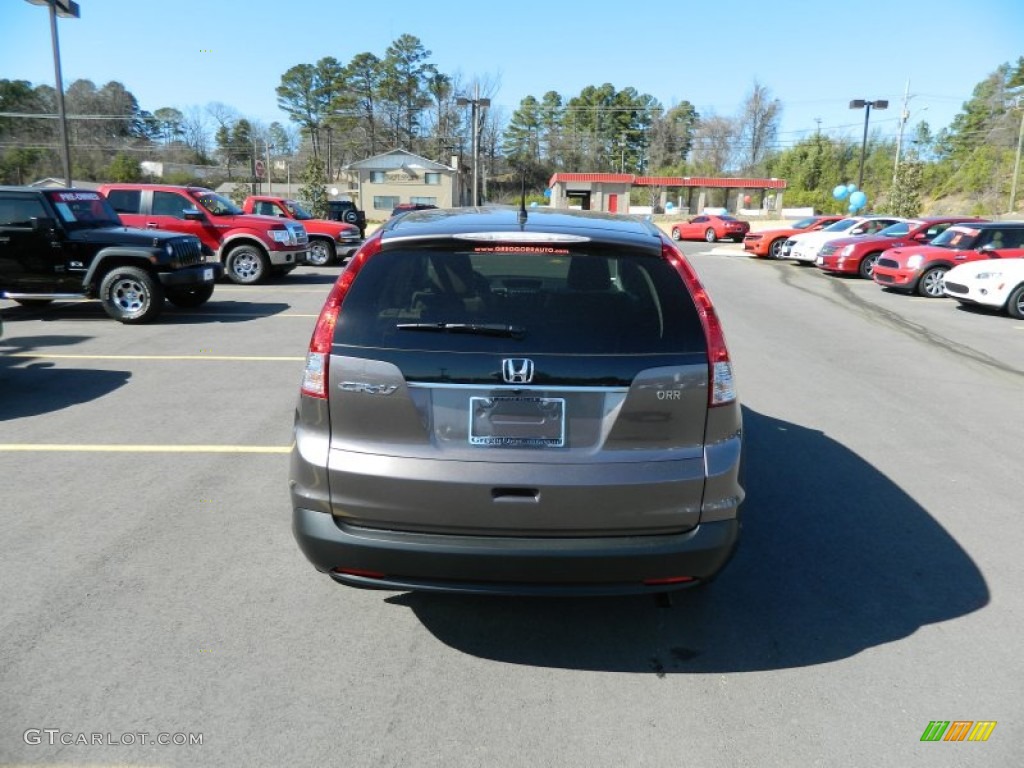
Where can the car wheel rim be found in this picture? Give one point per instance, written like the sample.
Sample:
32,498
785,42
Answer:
869,266
710,235
776,250
128,295
246,266
675,234
318,254
933,283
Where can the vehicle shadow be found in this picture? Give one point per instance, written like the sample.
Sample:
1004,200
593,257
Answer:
214,311
32,388
324,276
835,558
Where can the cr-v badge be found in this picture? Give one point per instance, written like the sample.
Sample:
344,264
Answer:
517,370
366,387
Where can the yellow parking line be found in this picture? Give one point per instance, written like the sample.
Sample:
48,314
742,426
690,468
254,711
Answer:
216,358
126,448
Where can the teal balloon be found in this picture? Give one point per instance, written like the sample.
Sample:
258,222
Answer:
851,188
840,192
858,200
852,208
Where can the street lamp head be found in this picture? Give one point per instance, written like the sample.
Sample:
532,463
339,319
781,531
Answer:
880,104
857,104
66,9
462,102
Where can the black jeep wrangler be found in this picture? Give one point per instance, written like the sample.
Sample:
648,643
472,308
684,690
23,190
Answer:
345,210
70,244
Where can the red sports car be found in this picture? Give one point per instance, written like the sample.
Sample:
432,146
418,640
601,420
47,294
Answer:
769,242
710,227
857,255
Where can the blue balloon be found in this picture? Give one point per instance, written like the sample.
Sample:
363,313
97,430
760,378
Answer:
851,188
669,207
852,208
840,192
858,199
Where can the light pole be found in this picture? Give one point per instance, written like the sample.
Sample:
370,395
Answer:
66,9
1018,104
477,104
866,106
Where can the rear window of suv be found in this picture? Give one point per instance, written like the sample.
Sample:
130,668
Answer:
576,300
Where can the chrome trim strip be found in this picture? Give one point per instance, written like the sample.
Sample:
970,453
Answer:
517,387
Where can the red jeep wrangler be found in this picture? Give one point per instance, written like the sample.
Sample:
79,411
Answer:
249,247
328,240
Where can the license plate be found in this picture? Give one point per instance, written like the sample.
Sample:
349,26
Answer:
208,274
517,422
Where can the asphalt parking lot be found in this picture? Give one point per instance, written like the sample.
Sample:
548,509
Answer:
152,585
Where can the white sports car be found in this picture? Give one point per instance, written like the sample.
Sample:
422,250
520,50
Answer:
804,246
996,283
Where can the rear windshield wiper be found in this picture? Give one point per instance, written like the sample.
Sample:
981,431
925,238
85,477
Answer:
480,329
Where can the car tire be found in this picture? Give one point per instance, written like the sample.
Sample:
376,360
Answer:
191,297
246,265
675,233
351,216
929,284
30,303
321,253
131,295
710,235
1015,304
867,265
775,249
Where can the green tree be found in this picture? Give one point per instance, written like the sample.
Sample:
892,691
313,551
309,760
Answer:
905,196
124,167
406,73
313,192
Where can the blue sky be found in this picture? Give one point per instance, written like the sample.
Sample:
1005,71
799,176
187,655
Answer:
814,56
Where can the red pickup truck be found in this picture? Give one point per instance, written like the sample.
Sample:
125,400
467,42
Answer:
251,248
329,241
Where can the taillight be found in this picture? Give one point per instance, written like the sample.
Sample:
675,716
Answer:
314,377
722,389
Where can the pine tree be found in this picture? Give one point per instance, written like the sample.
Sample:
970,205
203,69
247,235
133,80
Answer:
313,192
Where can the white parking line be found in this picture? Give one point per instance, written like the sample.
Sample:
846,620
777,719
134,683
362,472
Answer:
209,358
127,448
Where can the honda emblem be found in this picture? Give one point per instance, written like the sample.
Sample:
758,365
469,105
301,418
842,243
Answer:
517,370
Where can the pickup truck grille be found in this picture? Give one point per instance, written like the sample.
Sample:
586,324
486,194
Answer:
298,232
187,252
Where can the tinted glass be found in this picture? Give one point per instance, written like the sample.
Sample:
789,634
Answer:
216,204
959,237
170,204
841,226
564,301
125,200
899,229
84,210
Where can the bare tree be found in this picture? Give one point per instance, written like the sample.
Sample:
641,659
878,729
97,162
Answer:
714,140
758,125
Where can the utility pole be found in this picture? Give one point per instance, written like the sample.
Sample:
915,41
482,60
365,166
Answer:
1018,104
904,115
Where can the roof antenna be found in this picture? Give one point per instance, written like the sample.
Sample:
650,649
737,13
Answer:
522,200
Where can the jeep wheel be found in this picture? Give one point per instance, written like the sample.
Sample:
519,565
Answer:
190,297
321,253
350,216
246,265
131,295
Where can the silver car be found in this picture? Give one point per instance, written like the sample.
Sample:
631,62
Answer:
511,402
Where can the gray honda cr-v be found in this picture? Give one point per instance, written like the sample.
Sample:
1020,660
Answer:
512,402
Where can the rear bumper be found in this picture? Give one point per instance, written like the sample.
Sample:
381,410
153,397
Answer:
398,560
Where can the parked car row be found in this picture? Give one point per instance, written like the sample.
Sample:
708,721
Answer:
133,245
930,256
